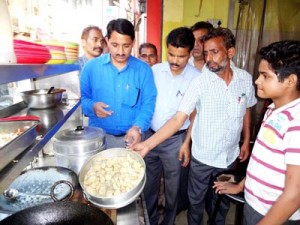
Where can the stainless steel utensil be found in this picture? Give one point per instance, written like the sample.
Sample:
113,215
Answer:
12,194
50,90
72,147
41,99
16,146
117,201
56,182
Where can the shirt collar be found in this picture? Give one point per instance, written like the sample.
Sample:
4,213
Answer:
82,60
107,59
284,107
166,68
236,75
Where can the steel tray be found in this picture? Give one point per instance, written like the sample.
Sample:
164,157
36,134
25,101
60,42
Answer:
16,146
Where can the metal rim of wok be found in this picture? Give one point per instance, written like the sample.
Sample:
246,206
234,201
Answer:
59,213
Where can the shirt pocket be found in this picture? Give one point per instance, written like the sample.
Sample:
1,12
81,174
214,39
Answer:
131,96
175,101
240,106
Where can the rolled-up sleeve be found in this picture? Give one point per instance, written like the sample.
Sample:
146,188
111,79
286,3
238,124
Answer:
190,98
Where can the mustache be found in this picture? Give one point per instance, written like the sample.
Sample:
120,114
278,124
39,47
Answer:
98,48
174,64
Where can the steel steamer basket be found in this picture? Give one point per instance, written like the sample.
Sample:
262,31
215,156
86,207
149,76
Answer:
72,147
122,199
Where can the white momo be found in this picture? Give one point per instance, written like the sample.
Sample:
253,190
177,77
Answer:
113,176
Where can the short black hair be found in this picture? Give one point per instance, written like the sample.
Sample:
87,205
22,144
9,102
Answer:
122,26
181,37
147,45
283,58
202,25
225,33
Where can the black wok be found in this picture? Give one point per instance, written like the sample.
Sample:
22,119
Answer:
59,213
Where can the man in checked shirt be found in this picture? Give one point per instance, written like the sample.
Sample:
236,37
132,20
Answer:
222,95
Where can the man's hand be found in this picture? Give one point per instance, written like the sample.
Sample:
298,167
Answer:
245,152
184,154
99,109
141,148
133,136
224,187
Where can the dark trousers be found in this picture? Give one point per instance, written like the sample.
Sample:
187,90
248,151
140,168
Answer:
252,217
183,198
163,158
201,193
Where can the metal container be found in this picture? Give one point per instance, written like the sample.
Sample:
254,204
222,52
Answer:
40,185
72,147
48,117
122,199
16,146
40,99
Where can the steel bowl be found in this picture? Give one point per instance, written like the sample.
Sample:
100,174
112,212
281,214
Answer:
40,99
122,199
48,117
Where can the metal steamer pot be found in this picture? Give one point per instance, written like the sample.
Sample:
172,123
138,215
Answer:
122,199
72,147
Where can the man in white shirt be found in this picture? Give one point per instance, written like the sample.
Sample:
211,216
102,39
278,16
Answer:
200,29
148,53
172,79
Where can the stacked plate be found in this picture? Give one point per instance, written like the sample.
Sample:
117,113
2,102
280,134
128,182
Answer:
31,53
71,50
57,51
62,51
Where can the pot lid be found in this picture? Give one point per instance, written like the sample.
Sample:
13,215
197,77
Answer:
80,134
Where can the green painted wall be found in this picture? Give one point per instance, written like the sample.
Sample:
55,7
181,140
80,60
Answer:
210,9
178,13
281,19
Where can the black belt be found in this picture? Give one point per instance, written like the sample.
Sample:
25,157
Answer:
119,135
177,133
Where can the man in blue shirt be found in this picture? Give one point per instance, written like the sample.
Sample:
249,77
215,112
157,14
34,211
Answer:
118,92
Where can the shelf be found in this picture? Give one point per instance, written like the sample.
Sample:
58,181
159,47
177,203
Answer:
8,174
11,73
51,119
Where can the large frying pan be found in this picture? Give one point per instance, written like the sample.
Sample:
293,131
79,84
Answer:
59,213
